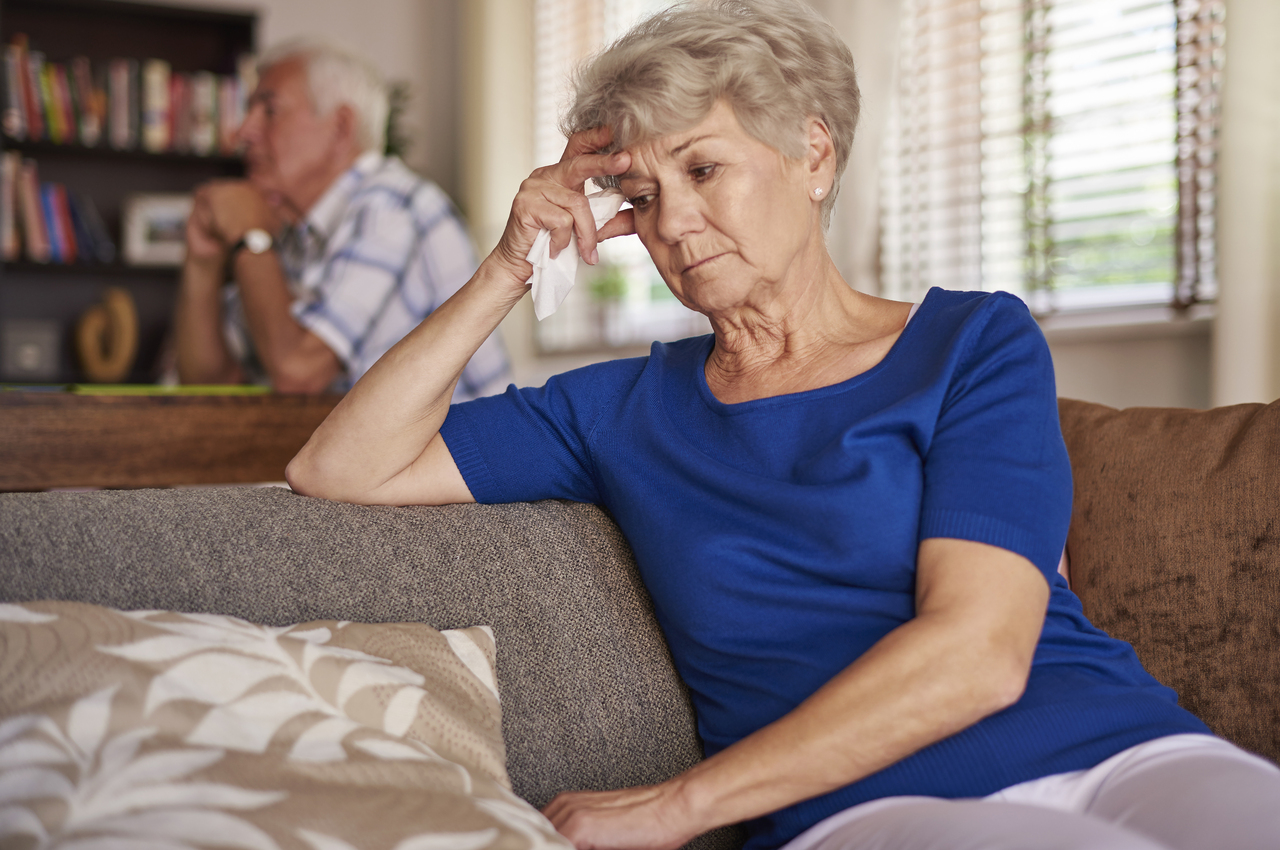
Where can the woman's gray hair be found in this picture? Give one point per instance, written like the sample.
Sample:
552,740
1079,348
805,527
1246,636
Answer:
334,77
776,62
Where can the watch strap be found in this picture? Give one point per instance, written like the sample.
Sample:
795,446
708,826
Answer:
236,249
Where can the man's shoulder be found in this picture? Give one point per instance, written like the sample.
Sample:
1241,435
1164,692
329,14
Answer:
393,185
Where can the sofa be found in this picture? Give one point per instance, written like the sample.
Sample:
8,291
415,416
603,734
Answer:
1174,546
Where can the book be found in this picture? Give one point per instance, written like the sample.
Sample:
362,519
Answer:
42,75
92,241
100,246
62,215
204,113
88,100
180,113
230,115
32,110
56,246
122,103
14,120
35,235
10,244
155,105
86,249
63,103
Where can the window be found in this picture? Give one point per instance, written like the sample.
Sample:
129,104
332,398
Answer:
1063,150
623,301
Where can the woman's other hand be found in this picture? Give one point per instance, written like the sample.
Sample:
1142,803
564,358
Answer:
648,817
552,198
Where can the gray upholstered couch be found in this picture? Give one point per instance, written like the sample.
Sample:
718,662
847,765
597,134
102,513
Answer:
1175,546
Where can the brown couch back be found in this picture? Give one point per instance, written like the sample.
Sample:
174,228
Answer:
1175,548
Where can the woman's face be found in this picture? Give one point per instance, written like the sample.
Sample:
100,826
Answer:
727,219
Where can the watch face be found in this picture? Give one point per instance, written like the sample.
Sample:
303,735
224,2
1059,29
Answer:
257,240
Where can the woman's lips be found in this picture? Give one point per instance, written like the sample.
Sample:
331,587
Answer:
698,263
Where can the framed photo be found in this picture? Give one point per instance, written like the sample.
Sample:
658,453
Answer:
154,228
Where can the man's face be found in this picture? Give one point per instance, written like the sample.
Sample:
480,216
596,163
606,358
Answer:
291,153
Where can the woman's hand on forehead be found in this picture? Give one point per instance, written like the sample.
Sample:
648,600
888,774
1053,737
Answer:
553,199
584,158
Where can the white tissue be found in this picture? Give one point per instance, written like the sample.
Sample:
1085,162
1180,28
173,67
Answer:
553,278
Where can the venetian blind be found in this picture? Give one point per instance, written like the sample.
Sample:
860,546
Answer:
624,301
1063,150
565,32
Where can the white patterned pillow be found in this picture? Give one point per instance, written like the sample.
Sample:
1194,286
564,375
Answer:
153,728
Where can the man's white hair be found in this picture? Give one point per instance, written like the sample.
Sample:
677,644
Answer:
335,77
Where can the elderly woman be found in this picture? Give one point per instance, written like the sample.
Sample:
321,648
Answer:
849,511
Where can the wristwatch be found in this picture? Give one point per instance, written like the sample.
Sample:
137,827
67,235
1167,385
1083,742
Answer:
255,241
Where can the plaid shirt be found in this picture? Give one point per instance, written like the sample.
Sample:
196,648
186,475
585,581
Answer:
377,253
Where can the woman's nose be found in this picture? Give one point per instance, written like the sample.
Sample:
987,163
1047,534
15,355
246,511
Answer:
679,214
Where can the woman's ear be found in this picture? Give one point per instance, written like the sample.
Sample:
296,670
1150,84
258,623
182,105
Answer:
820,154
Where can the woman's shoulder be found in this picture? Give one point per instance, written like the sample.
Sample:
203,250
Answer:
602,379
997,317
962,304
678,354
971,333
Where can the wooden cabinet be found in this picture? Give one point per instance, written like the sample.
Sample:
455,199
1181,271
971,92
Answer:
60,439
51,295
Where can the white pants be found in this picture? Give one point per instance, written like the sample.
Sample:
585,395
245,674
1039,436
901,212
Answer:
1182,792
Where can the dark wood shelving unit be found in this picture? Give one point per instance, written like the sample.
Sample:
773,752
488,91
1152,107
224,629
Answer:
190,40
107,153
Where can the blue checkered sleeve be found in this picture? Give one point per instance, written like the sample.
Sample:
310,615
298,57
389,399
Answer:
399,252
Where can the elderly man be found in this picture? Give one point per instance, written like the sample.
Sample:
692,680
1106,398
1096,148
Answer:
336,251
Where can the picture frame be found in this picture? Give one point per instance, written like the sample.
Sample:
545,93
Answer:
154,228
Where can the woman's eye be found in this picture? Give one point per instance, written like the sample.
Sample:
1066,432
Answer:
639,202
702,172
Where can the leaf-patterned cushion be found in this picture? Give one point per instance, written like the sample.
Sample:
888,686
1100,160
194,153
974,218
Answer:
160,729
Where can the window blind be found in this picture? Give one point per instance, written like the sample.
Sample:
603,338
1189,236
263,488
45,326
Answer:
1063,150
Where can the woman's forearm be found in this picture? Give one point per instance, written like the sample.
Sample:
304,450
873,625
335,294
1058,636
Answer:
924,682
903,695
367,450
381,444
964,656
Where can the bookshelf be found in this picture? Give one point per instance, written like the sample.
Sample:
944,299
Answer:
47,299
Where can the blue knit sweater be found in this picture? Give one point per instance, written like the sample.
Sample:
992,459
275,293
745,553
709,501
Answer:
778,537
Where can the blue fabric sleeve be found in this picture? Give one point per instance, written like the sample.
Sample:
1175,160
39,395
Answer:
533,443
996,470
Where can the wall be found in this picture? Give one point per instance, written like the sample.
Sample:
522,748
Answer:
1146,358
497,153
1246,341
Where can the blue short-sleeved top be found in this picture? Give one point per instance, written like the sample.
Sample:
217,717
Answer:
778,536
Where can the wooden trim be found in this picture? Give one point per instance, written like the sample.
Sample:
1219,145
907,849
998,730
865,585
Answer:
245,18
50,440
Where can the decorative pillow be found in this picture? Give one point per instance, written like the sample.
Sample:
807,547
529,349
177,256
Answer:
1175,548
152,728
